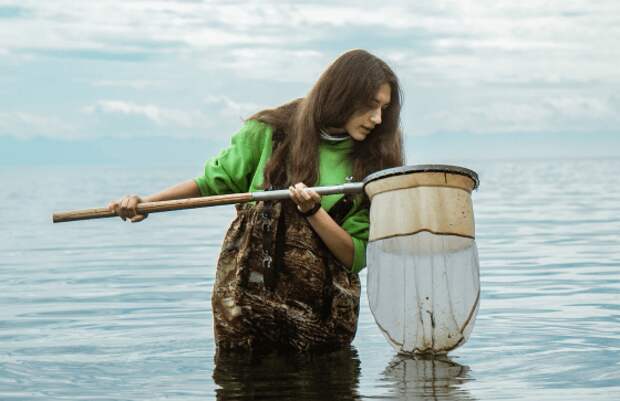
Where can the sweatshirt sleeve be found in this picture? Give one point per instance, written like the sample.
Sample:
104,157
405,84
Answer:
357,225
233,169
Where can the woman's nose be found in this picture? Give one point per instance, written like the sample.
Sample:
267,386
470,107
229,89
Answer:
375,117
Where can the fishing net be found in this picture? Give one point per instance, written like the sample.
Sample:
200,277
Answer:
423,270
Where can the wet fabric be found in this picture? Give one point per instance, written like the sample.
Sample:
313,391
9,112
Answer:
278,286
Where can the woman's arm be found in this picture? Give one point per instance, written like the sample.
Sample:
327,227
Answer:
126,206
337,240
231,171
185,189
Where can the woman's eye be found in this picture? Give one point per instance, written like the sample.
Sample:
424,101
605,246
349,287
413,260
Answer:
374,105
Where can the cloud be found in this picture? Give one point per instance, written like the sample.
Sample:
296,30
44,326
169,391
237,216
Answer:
149,26
138,84
24,125
489,66
560,114
156,114
276,65
179,25
231,108
443,41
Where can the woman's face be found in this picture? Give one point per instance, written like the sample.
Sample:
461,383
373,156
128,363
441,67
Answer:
362,122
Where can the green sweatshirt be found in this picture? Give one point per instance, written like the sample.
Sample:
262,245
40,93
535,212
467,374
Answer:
239,168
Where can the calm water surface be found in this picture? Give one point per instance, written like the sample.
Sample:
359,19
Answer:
101,310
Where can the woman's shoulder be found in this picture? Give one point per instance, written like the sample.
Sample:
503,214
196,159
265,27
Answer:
253,131
254,126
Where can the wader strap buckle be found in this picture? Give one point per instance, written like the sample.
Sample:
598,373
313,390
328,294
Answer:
267,262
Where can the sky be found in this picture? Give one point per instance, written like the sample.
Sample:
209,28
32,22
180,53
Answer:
151,82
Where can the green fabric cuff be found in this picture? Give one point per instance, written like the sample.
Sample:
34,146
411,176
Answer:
202,185
359,255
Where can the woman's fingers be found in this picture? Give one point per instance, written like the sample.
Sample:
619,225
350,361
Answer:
127,208
112,206
302,191
294,194
123,209
307,193
133,203
138,218
304,197
297,192
315,197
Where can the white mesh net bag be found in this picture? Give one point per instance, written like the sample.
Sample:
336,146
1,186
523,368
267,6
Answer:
423,270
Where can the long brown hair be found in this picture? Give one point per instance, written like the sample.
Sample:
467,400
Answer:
348,85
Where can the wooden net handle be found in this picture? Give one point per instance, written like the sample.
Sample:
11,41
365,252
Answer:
154,207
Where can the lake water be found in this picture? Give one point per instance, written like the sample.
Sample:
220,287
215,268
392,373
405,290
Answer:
105,310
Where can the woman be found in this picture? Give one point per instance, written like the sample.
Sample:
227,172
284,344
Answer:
287,271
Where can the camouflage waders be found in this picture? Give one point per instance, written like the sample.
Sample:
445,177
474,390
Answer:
277,286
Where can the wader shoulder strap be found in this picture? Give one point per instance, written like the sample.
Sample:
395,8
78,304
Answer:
340,210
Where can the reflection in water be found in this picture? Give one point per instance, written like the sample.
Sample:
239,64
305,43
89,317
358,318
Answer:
276,376
427,378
